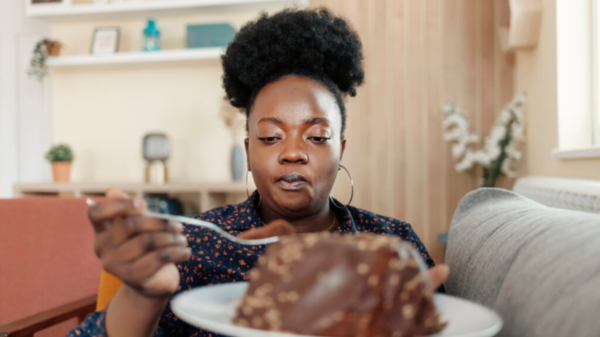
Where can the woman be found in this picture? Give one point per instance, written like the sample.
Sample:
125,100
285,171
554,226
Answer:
289,74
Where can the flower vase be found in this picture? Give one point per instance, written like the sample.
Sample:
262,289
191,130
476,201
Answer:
237,162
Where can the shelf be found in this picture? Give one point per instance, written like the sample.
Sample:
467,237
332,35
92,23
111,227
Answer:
63,11
136,57
205,195
100,188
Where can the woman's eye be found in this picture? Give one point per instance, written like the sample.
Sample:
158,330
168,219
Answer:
319,140
269,139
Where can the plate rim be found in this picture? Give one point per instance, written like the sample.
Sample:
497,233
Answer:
491,331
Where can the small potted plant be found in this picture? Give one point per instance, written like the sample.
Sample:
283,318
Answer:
44,48
61,157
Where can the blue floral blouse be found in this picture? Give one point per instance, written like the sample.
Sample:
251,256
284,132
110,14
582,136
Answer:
215,260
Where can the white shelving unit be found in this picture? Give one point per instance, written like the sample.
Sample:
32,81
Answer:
162,56
68,11
204,196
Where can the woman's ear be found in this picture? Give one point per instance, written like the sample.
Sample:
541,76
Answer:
343,148
246,142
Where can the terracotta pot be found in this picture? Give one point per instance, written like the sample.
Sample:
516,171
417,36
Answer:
53,48
61,170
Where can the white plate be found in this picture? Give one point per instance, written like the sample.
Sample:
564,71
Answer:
213,308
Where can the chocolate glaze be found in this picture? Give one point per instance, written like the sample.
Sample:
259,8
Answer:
340,286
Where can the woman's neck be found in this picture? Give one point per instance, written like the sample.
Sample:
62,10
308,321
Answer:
320,221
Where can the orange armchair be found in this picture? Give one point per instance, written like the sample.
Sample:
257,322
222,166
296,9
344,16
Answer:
49,274
109,284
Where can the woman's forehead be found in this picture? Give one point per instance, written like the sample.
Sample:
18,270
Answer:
295,99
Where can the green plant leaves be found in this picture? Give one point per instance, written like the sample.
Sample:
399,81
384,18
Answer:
60,152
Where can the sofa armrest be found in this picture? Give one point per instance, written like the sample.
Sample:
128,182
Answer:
26,327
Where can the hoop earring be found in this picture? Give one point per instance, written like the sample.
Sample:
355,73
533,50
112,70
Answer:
248,193
351,194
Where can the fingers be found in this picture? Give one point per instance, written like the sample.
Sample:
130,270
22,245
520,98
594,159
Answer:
119,204
136,224
146,266
126,228
139,250
115,193
138,272
138,246
438,275
275,228
108,210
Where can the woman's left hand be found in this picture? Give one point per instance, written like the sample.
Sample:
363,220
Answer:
438,275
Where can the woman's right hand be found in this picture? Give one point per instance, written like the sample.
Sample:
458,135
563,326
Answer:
138,250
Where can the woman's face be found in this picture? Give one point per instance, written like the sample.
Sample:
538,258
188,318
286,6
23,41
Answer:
294,145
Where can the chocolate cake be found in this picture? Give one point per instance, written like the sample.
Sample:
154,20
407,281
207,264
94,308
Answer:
340,286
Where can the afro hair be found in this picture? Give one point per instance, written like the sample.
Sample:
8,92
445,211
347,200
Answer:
306,42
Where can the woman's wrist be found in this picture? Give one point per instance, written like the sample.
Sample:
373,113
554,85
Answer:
132,313
144,299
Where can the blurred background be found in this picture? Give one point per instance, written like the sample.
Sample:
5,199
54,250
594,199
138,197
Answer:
101,75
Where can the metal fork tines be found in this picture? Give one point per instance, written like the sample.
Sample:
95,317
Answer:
201,223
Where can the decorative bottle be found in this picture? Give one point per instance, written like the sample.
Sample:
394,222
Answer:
151,37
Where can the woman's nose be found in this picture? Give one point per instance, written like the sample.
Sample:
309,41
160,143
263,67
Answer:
293,152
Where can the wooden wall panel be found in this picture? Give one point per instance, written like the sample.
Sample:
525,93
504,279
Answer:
436,166
419,55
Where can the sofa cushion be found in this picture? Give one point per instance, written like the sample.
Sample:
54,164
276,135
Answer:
538,267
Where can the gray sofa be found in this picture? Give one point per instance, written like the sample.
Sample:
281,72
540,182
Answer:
538,267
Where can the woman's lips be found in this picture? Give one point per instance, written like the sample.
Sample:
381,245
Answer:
292,182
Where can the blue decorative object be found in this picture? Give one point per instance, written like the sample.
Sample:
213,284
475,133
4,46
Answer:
443,238
151,37
209,35
161,203
237,163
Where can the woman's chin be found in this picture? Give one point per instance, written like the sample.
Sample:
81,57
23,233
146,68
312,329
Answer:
293,202
295,209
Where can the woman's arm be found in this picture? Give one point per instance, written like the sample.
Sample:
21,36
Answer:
132,314
139,314
142,253
139,317
143,256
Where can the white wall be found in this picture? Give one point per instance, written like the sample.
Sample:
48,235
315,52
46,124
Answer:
537,75
24,106
103,112
574,73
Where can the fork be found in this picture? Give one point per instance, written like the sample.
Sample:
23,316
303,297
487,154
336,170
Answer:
201,223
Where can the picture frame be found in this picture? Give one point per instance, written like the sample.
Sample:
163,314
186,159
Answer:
105,41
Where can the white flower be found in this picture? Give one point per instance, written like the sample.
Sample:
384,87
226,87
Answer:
506,168
457,126
458,150
447,108
504,137
482,158
512,151
516,132
505,117
466,163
